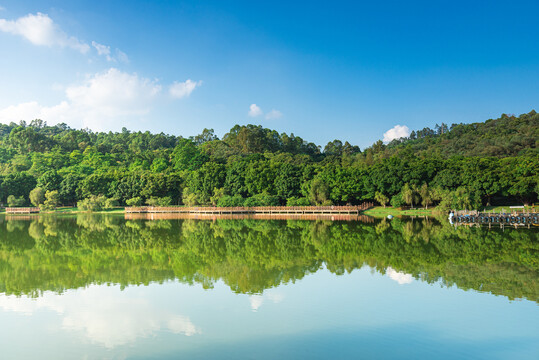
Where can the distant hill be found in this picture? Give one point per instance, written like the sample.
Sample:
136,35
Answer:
504,137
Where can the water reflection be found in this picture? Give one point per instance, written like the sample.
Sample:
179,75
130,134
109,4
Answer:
251,256
398,276
109,287
257,301
103,315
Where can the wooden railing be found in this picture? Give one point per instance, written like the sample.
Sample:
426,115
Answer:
22,210
252,210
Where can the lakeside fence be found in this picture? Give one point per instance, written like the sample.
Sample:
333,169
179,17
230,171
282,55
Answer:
22,210
514,219
292,210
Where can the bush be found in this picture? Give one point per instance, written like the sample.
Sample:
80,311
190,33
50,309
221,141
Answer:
111,203
165,201
136,201
159,201
231,201
13,201
262,200
252,201
93,203
295,201
397,201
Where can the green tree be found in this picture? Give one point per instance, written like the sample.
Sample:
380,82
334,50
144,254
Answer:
189,198
187,156
92,203
159,201
408,195
19,184
37,196
136,201
207,135
287,182
159,165
397,201
49,181
52,200
381,198
13,201
426,195
319,192
218,193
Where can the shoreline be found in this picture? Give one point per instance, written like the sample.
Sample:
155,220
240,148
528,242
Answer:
377,211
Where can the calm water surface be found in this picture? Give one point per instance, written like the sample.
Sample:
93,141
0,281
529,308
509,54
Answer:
98,287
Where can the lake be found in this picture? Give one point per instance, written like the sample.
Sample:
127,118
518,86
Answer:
103,286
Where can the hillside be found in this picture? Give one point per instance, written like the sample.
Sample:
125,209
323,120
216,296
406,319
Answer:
503,137
461,166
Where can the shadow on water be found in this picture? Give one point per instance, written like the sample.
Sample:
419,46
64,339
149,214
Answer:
51,253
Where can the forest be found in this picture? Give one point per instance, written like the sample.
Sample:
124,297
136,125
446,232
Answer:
495,162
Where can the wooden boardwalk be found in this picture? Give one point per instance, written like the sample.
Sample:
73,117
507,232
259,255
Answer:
283,210
514,219
22,210
194,216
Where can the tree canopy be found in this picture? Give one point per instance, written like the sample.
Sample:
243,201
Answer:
494,162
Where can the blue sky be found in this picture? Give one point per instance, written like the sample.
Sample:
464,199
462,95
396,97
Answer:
321,70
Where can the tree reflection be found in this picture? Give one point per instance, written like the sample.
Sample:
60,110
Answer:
250,256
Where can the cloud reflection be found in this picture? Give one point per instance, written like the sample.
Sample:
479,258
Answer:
257,300
400,277
104,315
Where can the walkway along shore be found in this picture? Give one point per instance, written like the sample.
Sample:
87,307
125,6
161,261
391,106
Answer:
298,210
509,219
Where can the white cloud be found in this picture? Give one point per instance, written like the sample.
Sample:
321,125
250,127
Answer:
396,132
110,317
179,90
115,92
121,56
400,277
274,114
23,111
40,30
100,102
2,8
254,110
102,50
105,51
32,110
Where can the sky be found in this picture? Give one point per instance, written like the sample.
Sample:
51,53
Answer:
358,71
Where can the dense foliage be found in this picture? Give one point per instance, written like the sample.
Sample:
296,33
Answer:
461,166
59,253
